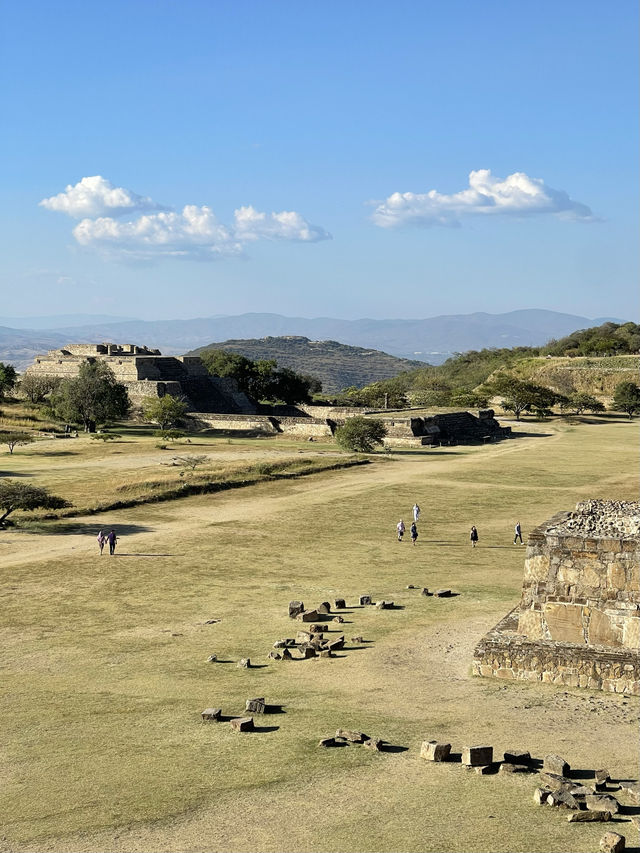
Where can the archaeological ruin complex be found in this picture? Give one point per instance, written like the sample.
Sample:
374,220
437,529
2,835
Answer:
147,373
578,622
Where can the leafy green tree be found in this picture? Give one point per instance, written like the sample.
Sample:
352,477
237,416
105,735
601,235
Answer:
93,398
13,439
520,396
8,378
626,398
14,495
232,365
580,402
165,411
170,434
35,388
361,434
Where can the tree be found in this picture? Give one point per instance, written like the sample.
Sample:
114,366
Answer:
626,398
106,436
35,387
14,495
580,402
13,439
165,411
520,396
361,434
8,377
224,363
93,397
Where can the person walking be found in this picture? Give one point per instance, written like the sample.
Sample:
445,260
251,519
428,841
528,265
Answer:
416,512
101,540
473,536
413,530
112,540
400,529
518,533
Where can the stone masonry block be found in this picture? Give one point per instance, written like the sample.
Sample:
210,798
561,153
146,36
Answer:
476,756
431,750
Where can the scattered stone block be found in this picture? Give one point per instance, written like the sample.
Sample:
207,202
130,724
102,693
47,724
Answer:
563,799
351,735
508,767
340,604
327,742
308,615
600,803
611,842
316,629
384,605
324,608
555,782
326,653
357,639
410,586
212,658
317,641
477,756
579,817
242,724
212,622
443,593
244,663
275,655
632,791
365,599
483,769
540,796
303,636
255,706
280,644
602,777
212,714
581,791
286,655
334,645
295,608
373,743
431,750
337,619
556,764
635,820
308,652
512,756
424,591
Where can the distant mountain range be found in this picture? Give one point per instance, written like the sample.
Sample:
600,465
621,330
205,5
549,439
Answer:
337,365
432,340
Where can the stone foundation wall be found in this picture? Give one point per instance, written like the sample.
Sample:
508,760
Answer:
505,654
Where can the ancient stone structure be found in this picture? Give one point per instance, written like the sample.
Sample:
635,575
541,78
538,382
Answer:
578,622
450,428
147,373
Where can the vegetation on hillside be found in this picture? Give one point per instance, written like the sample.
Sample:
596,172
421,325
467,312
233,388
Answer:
336,365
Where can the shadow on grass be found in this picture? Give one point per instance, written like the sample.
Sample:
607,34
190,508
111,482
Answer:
147,555
47,453
264,729
274,709
14,475
390,747
67,528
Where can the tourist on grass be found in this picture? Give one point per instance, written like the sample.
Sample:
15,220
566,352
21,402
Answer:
416,512
112,539
414,533
101,540
518,533
473,536
400,529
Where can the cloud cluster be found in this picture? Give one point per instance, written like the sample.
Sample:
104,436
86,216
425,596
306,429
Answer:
158,232
516,195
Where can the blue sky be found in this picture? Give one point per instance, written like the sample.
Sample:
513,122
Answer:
315,159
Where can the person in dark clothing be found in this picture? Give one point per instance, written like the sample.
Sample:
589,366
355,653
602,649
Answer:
112,539
473,536
518,533
414,533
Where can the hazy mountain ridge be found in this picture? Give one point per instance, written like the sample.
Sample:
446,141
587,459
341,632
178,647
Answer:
337,365
431,339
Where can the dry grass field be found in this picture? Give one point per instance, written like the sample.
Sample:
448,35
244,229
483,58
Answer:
105,672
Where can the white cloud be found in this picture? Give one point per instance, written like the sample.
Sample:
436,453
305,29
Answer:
516,195
95,196
250,224
194,233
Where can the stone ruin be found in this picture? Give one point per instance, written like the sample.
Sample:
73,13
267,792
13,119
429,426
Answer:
578,622
147,373
448,428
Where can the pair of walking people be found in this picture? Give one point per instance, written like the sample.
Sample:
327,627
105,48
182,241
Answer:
109,539
413,531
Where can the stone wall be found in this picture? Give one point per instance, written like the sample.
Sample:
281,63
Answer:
267,424
506,654
578,622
